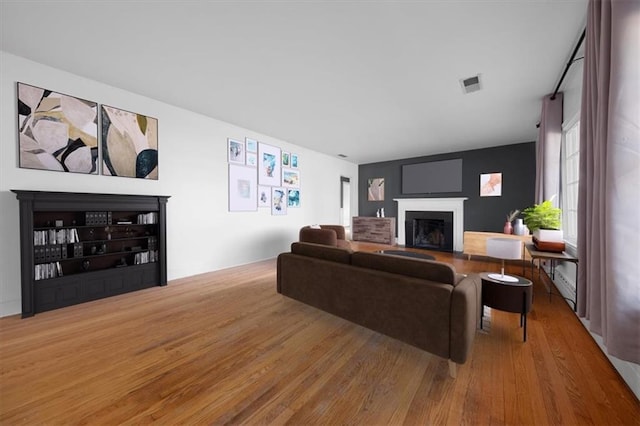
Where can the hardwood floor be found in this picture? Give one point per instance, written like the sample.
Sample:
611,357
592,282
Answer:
224,347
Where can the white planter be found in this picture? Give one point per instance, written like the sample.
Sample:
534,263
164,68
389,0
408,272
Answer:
549,235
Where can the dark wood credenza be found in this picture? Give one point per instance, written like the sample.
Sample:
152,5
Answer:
374,229
77,247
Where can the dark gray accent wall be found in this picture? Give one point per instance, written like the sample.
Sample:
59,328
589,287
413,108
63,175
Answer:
517,163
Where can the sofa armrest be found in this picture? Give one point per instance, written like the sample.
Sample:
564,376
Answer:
327,237
465,316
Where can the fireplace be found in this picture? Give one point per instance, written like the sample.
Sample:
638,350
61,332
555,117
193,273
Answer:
429,230
452,205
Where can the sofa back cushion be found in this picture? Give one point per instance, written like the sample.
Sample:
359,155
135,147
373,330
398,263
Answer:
418,268
327,237
333,254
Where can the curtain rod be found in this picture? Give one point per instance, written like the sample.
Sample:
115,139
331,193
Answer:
566,69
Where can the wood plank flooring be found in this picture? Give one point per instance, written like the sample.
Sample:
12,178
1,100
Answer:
225,348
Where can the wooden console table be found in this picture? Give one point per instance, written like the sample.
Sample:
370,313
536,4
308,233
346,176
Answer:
374,229
554,258
475,243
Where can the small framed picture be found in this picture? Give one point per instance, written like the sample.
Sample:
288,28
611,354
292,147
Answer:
251,145
294,161
286,158
293,198
252,159
291,178
236,151
278,201
264,196
491,185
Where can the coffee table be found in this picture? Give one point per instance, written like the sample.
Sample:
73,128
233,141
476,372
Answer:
514,297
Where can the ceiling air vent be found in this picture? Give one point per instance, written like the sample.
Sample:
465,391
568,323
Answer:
471,84
342,156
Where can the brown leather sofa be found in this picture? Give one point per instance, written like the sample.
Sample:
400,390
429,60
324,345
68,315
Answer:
328,235
421,302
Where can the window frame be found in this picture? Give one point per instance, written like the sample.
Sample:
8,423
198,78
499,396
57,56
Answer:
568,127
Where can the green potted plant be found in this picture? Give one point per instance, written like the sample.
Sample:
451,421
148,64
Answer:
544,221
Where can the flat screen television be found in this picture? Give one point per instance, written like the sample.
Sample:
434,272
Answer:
432,177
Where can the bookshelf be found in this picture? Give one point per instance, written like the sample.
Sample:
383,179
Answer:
77,247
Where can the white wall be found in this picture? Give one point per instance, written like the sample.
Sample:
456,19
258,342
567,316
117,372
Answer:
201,234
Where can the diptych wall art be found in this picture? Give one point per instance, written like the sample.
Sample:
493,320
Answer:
243,188
129,144
56,131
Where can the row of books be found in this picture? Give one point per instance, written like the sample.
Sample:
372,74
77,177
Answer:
145,257
48,270
147,218
98,218
49,253
55,236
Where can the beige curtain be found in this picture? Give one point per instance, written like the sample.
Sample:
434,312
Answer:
548,150
609,191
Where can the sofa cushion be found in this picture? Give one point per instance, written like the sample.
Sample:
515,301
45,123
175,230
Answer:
334,254
418,268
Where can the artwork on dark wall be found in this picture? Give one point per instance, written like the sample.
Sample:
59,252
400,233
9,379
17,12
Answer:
375,189
491,184
56,131
129,144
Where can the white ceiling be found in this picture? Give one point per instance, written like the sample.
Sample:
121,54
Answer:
374,80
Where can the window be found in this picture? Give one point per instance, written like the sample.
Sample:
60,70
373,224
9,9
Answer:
570,179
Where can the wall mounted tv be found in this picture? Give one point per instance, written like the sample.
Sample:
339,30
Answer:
432,177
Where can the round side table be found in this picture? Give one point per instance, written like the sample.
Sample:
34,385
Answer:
506,296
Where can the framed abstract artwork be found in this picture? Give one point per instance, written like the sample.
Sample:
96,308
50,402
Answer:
286,159
251,145
235,150
56,131
129,144
268,165
293,198
491,185
375,189
294,161
278,201
243,188
291,178
264,196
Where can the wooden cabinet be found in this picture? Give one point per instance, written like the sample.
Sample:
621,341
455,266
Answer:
475,243
374,229
79,247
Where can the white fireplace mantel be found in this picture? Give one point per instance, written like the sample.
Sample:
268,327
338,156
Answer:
455,205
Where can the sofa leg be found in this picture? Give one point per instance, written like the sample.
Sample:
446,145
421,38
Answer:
453,369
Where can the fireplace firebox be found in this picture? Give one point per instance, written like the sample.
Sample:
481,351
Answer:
429,230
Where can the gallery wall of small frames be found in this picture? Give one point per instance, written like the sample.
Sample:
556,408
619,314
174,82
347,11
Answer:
262,176
60,132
